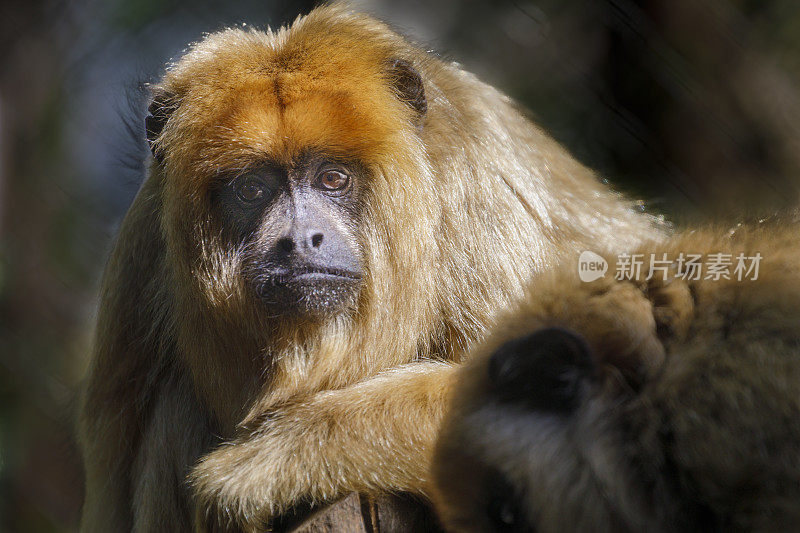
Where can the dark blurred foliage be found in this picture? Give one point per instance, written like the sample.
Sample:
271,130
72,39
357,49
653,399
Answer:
691,105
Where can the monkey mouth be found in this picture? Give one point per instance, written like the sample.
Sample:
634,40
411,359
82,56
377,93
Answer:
309,291
313,274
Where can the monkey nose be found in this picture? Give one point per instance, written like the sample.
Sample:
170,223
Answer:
304,240
286,244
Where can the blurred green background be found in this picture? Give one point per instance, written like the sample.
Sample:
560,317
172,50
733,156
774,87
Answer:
691,105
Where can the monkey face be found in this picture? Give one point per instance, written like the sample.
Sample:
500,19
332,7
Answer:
314,128
296,227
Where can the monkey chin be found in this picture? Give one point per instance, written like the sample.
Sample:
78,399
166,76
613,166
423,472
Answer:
314,296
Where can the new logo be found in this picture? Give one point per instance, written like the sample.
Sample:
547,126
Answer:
591,266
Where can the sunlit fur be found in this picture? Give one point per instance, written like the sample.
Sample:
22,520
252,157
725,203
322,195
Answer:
691,424
463,206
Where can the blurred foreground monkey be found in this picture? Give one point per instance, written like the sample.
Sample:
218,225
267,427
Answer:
331,219
637,405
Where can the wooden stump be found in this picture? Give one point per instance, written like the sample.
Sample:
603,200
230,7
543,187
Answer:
361,514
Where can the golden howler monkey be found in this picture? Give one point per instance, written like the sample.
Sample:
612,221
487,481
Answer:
637,405
332,217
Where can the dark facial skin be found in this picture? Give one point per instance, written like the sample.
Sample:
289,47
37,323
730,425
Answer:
296,229
543,370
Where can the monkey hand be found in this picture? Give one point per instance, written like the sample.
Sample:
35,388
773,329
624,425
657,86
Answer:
376,435
242,485
245,483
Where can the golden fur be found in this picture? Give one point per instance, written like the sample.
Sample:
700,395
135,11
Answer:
689,424
464,204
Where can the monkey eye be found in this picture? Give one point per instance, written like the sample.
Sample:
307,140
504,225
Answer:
333,181
250,191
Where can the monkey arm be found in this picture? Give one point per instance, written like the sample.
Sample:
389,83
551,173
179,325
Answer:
372,436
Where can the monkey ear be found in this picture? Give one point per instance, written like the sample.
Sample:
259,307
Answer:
159,111
545,370
408,85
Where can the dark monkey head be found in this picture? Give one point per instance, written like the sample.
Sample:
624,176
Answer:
542,431
269,171
512,459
